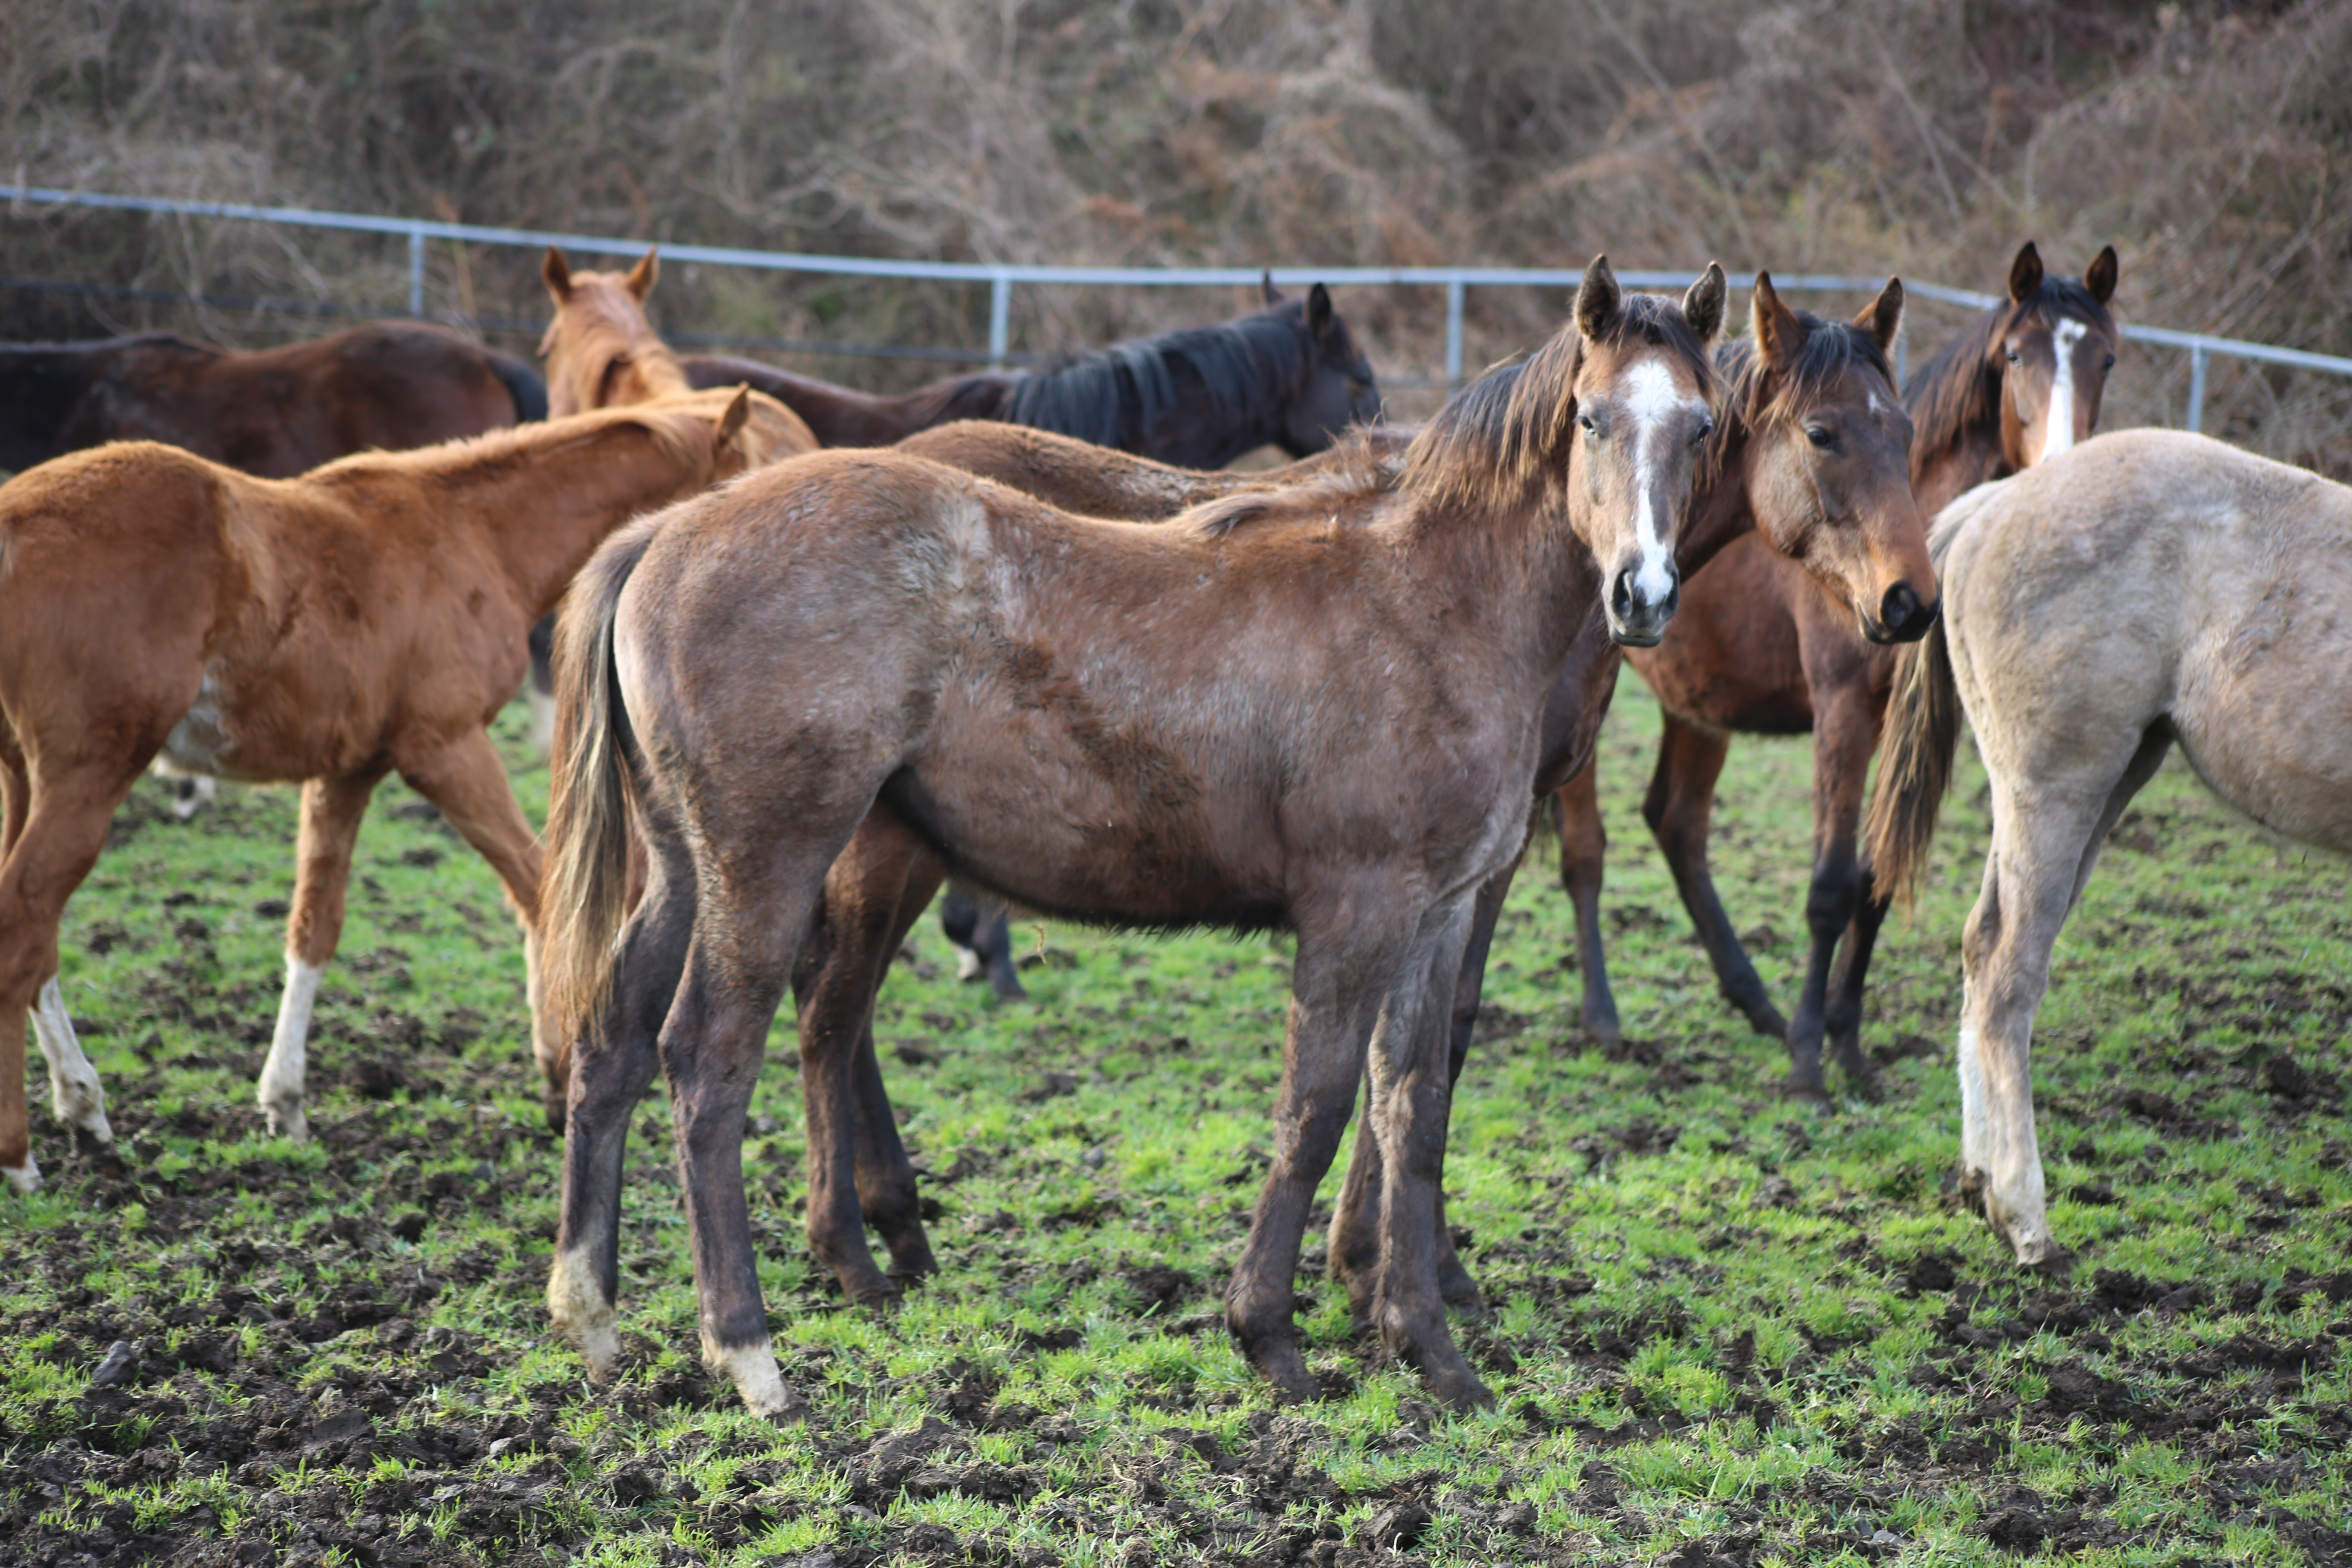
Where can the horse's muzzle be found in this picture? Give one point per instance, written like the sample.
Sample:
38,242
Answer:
1901,616
1635,619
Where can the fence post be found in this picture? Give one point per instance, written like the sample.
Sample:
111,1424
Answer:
1454,291
2196,357
417,272
1000,320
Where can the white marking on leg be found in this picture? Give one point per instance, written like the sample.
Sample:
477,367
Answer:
2058,428
74,1091
1974,1129
24,1178
542,721
752,1370
582,1315
1652,400
282,1075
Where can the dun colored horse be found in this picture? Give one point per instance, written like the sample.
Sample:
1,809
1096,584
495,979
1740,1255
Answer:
1290,375
2148,587
366,618
1152,726
1760,648
272,412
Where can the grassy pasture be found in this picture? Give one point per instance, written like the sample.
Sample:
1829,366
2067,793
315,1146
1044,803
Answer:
1725,1329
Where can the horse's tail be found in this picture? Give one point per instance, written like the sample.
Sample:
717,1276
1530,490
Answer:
524,384
591,803
1915,763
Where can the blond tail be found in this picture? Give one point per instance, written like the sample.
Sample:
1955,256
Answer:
1914,766
589,804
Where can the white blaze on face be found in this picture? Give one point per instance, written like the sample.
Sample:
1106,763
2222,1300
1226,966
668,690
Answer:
2058,428
1652,401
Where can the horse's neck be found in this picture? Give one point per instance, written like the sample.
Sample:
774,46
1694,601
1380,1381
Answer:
1197,431
39,390
545,509
1972,458
1719,509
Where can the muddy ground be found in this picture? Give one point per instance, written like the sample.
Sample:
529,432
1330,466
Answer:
1722,1329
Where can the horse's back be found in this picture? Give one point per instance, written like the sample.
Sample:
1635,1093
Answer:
2156,575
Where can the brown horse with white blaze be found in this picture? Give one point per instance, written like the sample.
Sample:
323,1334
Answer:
1760,648
364,619
1154,726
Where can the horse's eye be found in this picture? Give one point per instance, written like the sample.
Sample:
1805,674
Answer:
2109,363
2016,358
1821,435
1584,423
1706,429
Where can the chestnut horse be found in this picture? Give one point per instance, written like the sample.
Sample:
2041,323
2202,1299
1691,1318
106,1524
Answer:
1146,726
1290,376
273,412
1758,647
2148,587
365,618
1763,473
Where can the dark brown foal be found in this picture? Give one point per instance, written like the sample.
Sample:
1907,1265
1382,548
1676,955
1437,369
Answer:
1758,649
1146,726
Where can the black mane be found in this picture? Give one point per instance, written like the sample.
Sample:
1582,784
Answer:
1114,396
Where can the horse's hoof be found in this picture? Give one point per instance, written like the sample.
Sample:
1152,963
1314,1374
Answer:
289,1122
1009,990
1766,1020
1459,1291
559,1113
24,1180
1456,1386
1806,1092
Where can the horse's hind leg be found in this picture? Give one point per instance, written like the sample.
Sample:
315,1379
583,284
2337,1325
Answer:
1355,1237
609,1071
857,1167
1411,1097
331,810
1843,1019
2046,834
1677,809
57,839
1583,858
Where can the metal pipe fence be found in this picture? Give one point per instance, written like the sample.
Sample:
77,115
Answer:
1001,276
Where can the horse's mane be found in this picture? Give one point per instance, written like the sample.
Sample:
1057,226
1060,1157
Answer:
1114,395
1362,463
1753,398
601,322
1959,389
1504,437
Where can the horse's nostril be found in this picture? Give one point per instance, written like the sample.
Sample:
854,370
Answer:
1895,612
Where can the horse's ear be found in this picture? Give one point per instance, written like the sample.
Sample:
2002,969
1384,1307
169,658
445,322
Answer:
556,273
1779,336
2099,278
1318,309
1597,299
730,423
644,275
1703,303
1267,292
1882,317
2025,273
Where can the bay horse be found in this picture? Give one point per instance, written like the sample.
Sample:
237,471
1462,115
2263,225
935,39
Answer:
2147,588
366,618
1290,375
1760,648
1142,726
272,412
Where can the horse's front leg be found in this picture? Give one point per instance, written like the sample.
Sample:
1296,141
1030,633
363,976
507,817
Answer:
1679,808
1336,982
1411,1098
1845,733
331,810
1583,860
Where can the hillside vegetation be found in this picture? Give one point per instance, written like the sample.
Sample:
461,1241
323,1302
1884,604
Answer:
1878,135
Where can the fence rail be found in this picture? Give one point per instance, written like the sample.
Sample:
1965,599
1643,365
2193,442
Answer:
1000,277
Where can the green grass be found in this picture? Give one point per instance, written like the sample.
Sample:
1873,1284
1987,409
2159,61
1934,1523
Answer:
1705,1343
